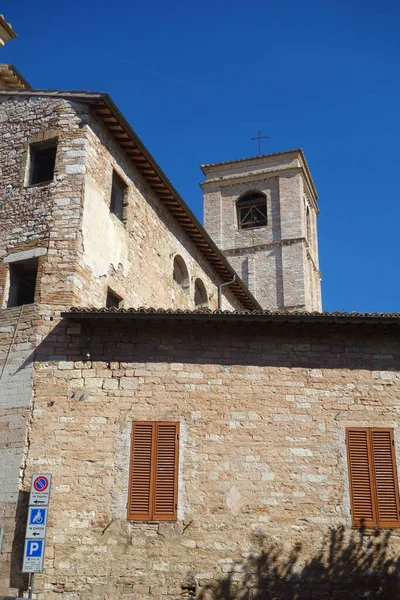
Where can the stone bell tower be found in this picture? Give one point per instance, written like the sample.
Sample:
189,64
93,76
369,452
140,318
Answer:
262,213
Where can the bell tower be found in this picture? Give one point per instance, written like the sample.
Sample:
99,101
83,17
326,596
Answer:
262,213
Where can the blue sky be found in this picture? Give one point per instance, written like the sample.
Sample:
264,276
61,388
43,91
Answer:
198,79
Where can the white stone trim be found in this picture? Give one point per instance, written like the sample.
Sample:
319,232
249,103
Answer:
25,255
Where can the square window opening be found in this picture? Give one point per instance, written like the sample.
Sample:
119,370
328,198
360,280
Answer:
113,300
42,162
23,277
118,190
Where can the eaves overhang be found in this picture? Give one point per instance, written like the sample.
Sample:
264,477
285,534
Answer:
119,128
11,79
204,315
6,31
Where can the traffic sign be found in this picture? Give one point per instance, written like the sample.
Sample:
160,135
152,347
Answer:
37,522
33,556
40,489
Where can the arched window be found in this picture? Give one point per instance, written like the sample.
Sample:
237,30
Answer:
200,294
181,273
252,210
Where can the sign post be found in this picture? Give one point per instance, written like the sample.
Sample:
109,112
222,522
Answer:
35,535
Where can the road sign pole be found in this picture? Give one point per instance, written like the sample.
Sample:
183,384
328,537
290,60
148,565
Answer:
35,534
32,576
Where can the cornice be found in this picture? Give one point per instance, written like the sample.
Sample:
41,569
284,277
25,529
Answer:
245,249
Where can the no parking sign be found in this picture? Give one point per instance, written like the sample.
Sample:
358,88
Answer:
40,489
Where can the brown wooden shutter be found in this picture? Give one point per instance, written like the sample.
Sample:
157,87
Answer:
373,479
386,483
166,472
140,480
363,509
153,481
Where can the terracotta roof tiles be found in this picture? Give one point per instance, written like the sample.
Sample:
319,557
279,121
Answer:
246,315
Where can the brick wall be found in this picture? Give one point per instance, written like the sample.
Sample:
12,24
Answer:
283,275
263,411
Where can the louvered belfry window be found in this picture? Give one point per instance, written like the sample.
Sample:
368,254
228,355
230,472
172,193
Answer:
252,210
153,475
374,489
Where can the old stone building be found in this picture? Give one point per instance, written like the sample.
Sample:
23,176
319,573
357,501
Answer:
198,447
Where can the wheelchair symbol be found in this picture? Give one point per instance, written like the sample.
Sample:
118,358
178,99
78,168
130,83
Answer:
37,517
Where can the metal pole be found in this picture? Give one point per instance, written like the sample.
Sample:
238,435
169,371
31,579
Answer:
220,290
31,585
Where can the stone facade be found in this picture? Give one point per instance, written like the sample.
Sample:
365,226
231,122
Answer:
136,256
17,343
262,405
278,261
262,409
87,248
82,250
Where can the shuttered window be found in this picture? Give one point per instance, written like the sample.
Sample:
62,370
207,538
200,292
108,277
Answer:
153,475
373,480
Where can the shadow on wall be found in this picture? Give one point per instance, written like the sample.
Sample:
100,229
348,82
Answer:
19,580
351,566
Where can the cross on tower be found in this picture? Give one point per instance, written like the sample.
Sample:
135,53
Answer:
259,138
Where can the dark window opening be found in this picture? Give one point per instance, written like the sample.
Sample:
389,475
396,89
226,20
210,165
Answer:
118,190
252,210
308,220
42,162
113,300
23,276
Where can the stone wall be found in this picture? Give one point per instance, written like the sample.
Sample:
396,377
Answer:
55,223
263,411
134,257
16,364
84,247
42,216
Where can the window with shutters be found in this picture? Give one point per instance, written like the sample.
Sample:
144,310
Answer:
374,490
153,473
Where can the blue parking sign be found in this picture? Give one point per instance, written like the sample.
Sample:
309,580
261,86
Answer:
34,548
33,556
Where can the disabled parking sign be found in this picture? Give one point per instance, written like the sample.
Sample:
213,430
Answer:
37,522
33,556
